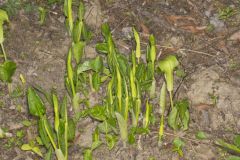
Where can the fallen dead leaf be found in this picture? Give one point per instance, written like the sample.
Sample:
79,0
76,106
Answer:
235,36
194,29
203,106
145,29
175,19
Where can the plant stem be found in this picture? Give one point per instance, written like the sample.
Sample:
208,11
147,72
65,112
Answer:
4,53
9,88
171,100
161,129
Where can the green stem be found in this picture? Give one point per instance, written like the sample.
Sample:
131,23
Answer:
161,129
49,135
73,88
9,88
4,53
171,100
66,135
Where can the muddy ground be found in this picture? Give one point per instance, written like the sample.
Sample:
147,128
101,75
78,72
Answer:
208,48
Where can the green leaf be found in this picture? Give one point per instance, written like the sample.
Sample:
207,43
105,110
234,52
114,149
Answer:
35,104
59,154
26,147
3,16
87,35
162,100
182,106
97,64
162,103
71,130
152,48
68,14
48,155
233,158
147,115
63,108
87,154
104,127
122,123
183,111
43,134
178,144
131,138
138,49
85,66
152,89
102,48
167,66
27,123
96,81
201,135
47,95
2,133
39,141
77,31
95,145
78,51
180,73
1,32
123,64
49,131
106,31
7,69
70,72
111,141
61,136
42,14
172,118
227,146
56,112
236,140
98,113
37,151
81,11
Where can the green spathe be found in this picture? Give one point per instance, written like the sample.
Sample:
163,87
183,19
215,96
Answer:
167,66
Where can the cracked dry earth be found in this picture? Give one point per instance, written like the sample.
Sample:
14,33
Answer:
209,57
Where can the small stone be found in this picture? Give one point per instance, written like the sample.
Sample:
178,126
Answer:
127,32
13,107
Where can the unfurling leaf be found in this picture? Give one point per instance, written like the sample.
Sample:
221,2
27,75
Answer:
56,113
138,49
42,15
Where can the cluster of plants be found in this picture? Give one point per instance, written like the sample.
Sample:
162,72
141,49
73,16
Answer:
127,86
126,108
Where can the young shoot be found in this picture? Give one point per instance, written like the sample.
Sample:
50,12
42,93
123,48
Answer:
162,103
